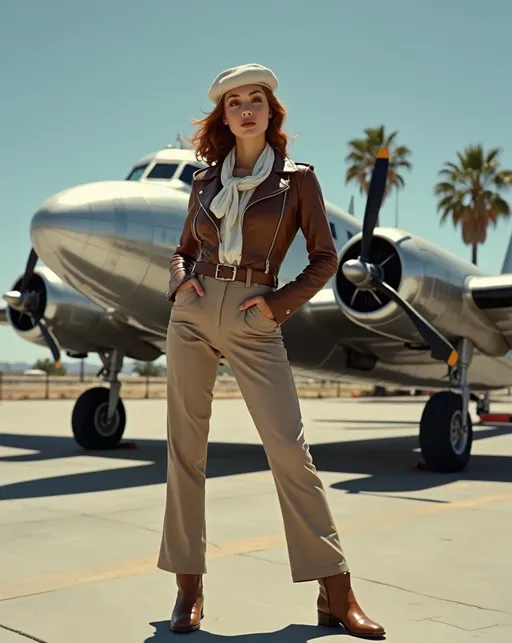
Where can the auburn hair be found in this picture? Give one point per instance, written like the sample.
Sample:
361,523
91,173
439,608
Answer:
213,140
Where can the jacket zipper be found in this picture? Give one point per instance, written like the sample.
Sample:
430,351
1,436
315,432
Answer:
263,199
194,231
213,222
267,260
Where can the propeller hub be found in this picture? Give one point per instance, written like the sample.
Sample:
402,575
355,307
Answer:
358,272
14,299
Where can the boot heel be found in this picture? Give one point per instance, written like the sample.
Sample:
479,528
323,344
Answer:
326,620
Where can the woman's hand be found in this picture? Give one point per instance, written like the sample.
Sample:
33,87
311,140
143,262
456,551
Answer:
261,304
191,283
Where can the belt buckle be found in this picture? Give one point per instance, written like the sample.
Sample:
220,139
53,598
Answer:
226,265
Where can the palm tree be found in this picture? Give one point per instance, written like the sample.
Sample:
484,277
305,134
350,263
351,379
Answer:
362,156
469,193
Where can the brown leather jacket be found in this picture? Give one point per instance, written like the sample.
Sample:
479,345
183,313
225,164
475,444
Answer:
288,200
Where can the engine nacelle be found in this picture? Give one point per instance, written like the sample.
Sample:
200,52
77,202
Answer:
430,279
79,325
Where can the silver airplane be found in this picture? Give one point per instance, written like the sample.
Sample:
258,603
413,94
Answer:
399,311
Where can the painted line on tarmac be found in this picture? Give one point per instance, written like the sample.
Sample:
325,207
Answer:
147,564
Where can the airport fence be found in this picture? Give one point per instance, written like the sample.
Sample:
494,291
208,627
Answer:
64,387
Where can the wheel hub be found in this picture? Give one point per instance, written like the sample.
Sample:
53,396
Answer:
101,423
458,434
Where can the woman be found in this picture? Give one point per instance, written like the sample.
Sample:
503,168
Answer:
244,211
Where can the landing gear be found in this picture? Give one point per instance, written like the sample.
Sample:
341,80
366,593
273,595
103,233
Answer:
445,439
483,405
446,429
98,420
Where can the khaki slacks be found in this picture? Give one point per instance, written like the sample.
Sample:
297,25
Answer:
200,330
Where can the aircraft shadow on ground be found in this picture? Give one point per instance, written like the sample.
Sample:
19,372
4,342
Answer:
386,465
293,633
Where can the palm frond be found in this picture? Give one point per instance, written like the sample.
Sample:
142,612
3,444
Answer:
469,192
362,153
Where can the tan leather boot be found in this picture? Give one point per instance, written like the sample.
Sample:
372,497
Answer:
188,609
337,604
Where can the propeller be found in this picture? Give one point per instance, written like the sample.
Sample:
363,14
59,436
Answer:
367,276
26,302
29,270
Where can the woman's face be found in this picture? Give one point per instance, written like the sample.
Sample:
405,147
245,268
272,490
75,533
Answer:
246,111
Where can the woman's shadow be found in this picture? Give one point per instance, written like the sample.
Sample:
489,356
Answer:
291,634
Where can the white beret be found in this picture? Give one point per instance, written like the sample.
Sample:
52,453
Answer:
251,74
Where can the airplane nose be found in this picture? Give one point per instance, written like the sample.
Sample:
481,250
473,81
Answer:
62,222
85,231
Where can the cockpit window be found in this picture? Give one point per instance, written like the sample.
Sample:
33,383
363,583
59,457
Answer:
136,173
187,173
163,171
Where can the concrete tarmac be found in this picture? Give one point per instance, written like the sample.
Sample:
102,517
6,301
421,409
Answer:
79,532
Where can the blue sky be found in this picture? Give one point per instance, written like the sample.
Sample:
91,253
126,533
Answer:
88,88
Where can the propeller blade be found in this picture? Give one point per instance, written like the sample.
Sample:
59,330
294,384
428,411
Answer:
29,270
374,201
441,347
50,340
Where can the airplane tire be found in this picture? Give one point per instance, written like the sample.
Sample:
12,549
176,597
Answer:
88,420
444,446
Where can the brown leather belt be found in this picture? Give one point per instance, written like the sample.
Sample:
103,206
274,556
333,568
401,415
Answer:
227,272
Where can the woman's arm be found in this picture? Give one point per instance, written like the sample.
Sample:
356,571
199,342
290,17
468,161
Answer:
323,259
187,251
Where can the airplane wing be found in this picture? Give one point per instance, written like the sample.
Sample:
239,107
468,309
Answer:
493,295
